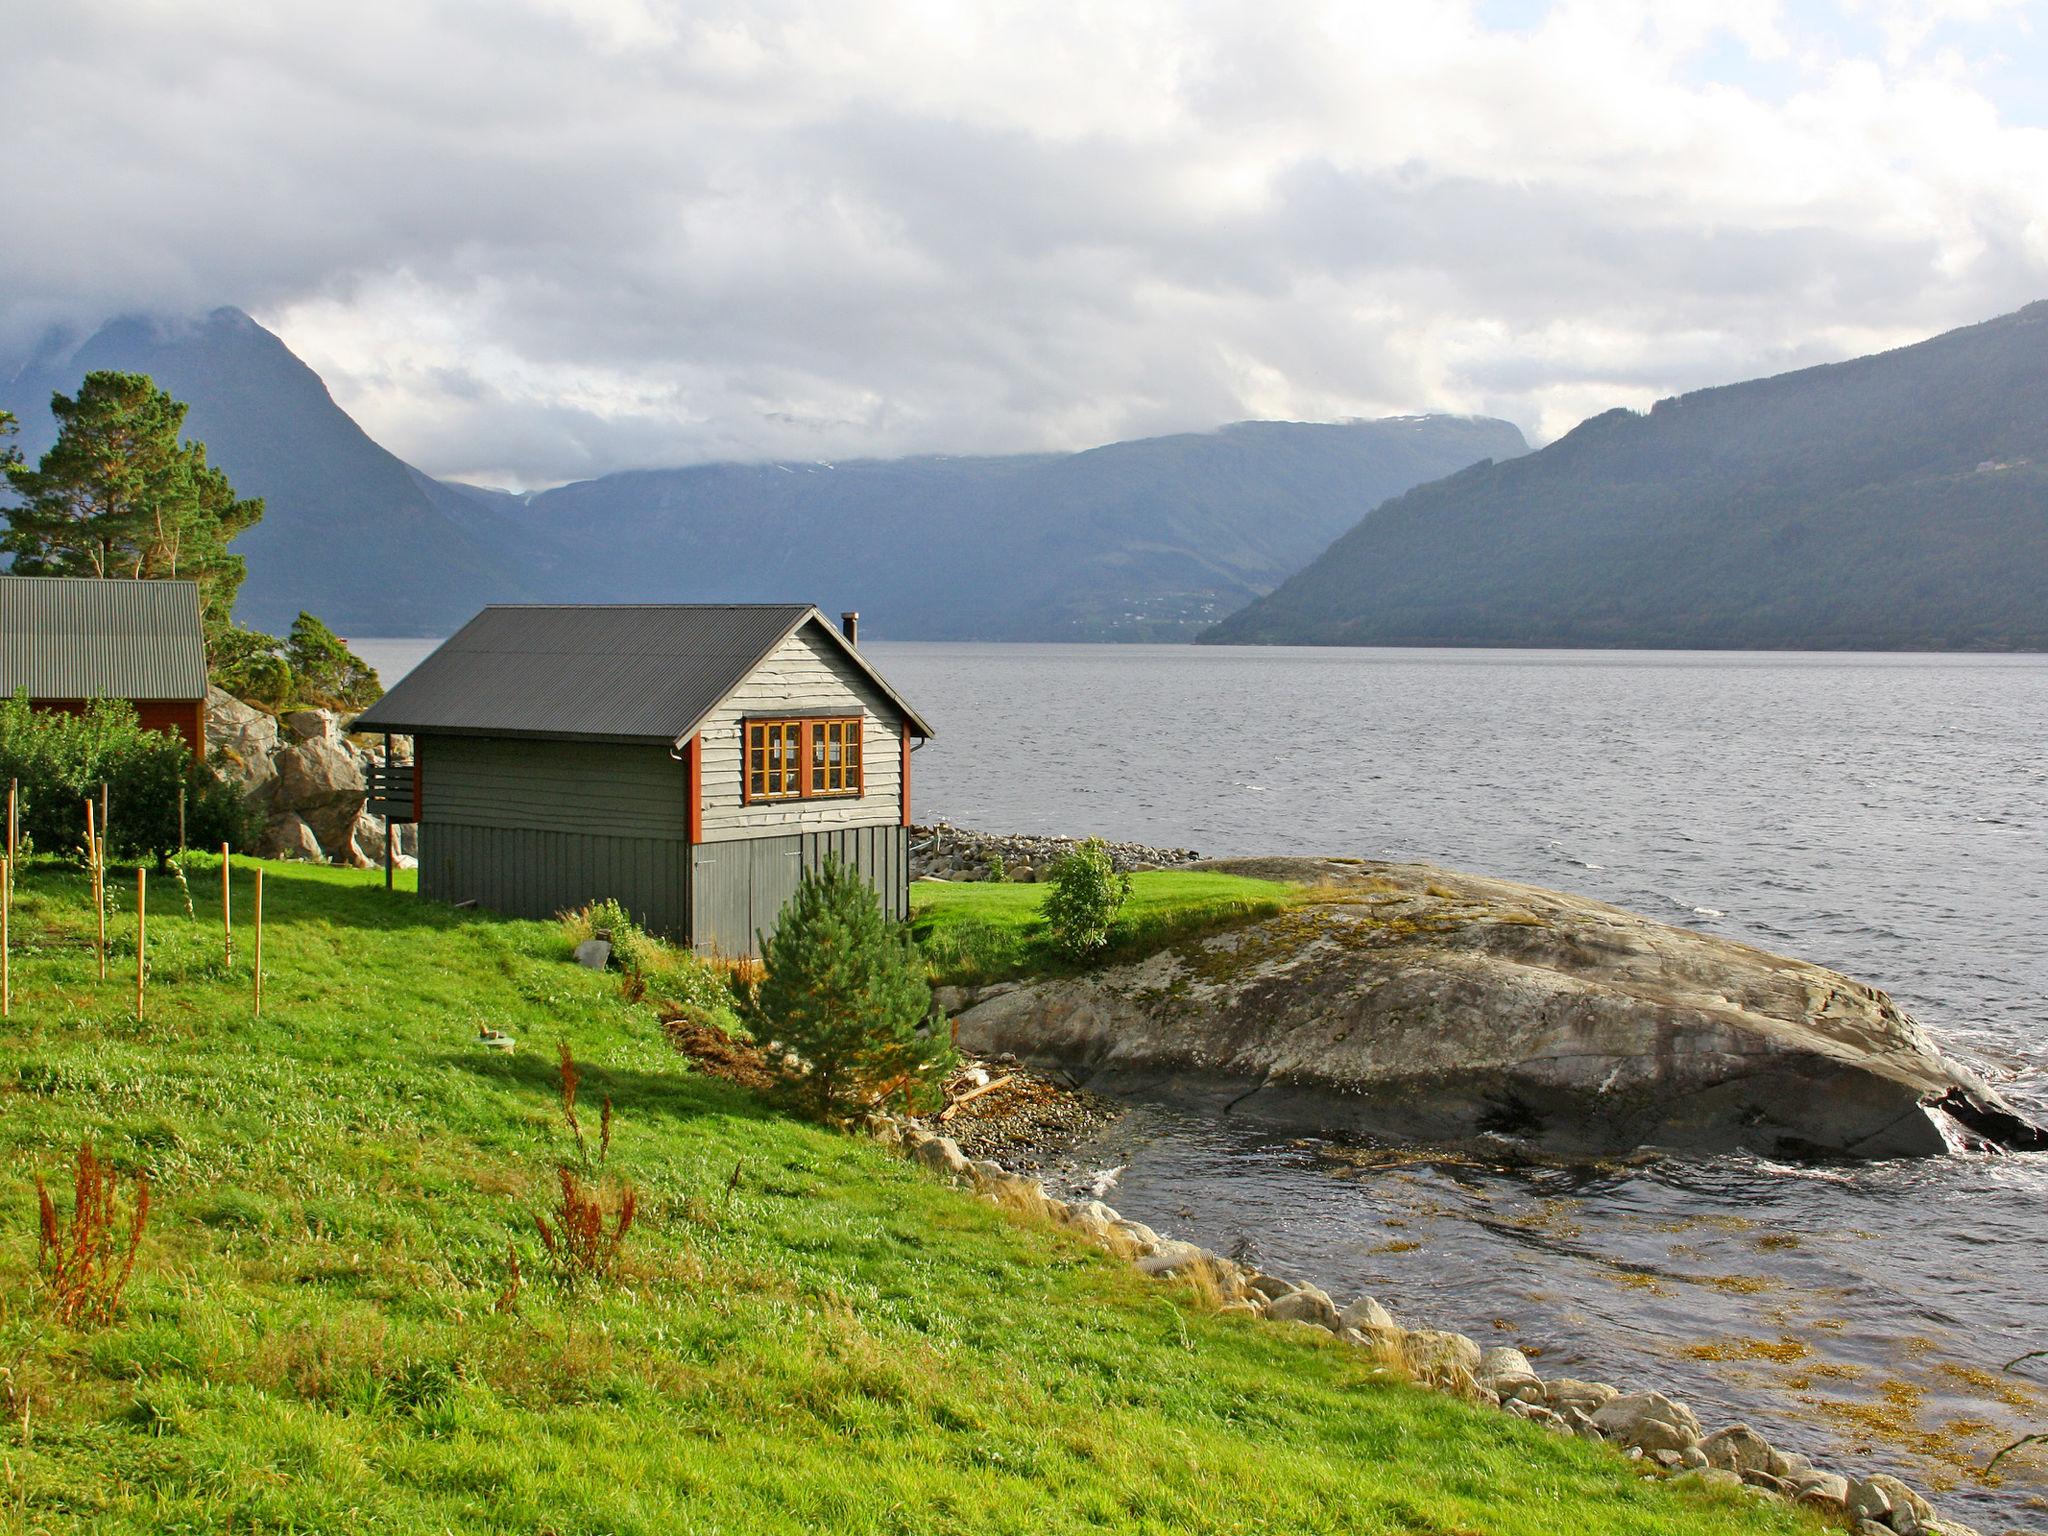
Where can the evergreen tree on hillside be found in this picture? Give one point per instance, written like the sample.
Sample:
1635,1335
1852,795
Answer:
118,494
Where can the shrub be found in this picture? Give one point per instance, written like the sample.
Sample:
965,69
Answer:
1086,895
844,988
60,759
85,1267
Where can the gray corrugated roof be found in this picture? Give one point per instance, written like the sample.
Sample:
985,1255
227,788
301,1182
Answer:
75,637
621,672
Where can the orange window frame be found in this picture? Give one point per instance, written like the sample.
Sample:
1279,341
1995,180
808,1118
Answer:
802,757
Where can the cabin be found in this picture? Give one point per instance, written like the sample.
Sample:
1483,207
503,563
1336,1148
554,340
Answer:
689,760
67,640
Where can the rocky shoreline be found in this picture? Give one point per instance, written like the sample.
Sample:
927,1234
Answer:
1648,1427
942,851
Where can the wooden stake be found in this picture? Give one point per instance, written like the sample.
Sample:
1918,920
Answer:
141,933
96,863
227,912
259,943
13,820
6,949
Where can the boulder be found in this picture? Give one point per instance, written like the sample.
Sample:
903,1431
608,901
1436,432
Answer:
1507,1372
1884,1499
1428,1004
942,1155
1569,1392
1647,1421
1172,1256
322,782
1827,1492
1368,1316
286,836
243,732
1272,1287
1306,1305
1432,1353
313,725
595,954
1738,1449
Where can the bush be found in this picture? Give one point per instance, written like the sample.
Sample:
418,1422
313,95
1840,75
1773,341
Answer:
250,665
1086,895
844,988
60,759
653,969
312,666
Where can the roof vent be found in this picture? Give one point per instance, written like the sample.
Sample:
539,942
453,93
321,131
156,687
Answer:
849,626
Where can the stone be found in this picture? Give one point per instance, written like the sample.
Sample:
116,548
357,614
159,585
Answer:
1138,1232
1306,1305
1570,1392
1693,1457
1738,1449
1419,1013
1764,1481
1711,1477
1825,1491
1903,1504
1507,1372
1647,1421
1535,1413
1239,1309
1171,1257
321,782
594,953
1368,1316
243,732
286,836
942,1155
1432,1352
1271,1286
313,725
1094,1213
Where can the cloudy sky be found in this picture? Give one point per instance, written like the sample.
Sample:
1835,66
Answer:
532,240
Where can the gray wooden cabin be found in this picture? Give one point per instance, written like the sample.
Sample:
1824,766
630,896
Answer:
690,760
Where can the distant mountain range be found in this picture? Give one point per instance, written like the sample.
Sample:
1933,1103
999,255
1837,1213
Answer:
1896,502
1147,540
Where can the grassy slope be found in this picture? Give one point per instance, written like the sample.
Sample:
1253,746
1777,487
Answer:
834,1342
983,931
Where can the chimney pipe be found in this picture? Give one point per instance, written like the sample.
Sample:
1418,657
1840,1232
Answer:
849,626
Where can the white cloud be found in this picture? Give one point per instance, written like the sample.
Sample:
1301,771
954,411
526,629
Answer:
538,240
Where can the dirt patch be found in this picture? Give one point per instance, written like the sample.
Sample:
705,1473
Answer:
716,1052
1027,1121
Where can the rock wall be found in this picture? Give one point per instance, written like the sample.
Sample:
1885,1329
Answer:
308,780
943,851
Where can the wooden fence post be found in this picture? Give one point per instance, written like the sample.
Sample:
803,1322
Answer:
96,870
13,821
259,944
227,912
6,948
141,933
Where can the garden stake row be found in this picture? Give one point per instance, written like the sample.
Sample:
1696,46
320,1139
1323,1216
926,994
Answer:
96,866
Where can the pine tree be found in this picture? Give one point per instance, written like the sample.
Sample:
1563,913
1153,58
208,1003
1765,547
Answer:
119,495
845,989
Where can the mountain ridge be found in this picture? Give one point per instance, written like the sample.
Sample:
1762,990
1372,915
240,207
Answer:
1897,501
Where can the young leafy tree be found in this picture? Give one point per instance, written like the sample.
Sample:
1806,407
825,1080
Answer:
1086,895
845,989
118,494
9,454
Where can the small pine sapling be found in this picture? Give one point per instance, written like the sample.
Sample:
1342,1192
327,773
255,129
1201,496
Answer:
845,990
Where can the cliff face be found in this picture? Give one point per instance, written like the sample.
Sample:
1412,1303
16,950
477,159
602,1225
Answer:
1411,1001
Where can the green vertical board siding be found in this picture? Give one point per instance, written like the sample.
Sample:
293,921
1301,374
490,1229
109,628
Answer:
610,789
523,872
738,888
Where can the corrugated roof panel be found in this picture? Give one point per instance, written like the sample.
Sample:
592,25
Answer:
75,637
631,671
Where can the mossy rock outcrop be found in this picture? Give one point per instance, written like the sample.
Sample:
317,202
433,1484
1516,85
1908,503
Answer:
1407,1000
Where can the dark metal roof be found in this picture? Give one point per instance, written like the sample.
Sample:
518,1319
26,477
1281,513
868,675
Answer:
76,637
646,672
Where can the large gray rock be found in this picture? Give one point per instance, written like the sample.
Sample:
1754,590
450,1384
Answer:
1738,1449
322,782
1647,1421
1307,1305
313,725
286,836
1424,1003
240,742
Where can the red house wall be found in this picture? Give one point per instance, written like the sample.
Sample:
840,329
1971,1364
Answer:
181,717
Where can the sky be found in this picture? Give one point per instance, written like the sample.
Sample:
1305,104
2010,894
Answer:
530,241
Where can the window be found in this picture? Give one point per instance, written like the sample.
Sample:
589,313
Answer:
803,759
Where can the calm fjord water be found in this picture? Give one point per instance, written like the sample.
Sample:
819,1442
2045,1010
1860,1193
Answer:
1886,815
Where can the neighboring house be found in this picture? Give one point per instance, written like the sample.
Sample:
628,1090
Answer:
689,760
67,640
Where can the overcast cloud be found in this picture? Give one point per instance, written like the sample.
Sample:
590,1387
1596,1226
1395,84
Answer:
532,240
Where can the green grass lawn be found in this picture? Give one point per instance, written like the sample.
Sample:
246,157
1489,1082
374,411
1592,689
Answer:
982,931
809,1336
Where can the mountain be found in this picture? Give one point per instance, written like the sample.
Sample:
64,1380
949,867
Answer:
1144,540
349,531
1898,501
1151,539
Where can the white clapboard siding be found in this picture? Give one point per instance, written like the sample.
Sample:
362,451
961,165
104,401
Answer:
806,675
